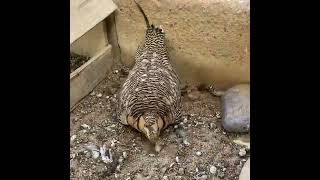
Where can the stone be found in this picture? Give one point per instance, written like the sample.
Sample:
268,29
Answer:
213,170
242,152
181,171
235,105
245,172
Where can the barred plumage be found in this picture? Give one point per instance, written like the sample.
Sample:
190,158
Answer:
150,98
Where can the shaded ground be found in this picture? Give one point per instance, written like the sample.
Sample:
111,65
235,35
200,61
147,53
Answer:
77,60
200,132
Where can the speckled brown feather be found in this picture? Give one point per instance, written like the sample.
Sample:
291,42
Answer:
152,88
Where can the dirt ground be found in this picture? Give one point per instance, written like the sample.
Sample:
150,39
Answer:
192,146
77,60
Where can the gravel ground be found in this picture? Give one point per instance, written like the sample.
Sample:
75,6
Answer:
77,60
195,148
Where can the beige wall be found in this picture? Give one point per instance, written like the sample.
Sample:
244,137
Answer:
208,40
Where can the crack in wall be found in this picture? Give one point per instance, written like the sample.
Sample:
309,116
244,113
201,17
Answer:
117,38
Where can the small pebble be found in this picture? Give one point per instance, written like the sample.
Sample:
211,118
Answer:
152,155
224,169
85,126
99,95
124,154
198,153
107,97
116,175
181,171
72,156
93,93
177,159
185,120
218,114
158,147
242,152
185,142
73,137
95,154
213,170
165,178
118,168
171,165
212,126
181,133
120,160
175,126
128,178
87,154
203,177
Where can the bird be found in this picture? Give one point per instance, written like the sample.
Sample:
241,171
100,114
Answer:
150,97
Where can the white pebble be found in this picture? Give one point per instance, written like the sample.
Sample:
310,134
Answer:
152,155
165,178
118,168
203,177
185,142
85,126
120,160
197,170
213,170
93,93
124,154
99,95
181,171
242,152
116,175
185,120
175,126
112,144
73,137
177,159
218,115
158,147
224,169
212,126
171,165
95,154
198,153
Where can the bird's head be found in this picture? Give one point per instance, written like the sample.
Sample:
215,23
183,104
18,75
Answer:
151,124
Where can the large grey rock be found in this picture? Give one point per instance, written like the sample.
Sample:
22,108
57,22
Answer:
236,109
245,172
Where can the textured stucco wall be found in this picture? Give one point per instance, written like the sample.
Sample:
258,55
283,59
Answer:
208,40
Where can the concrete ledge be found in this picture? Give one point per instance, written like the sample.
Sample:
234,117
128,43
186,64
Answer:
89,75
208,40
